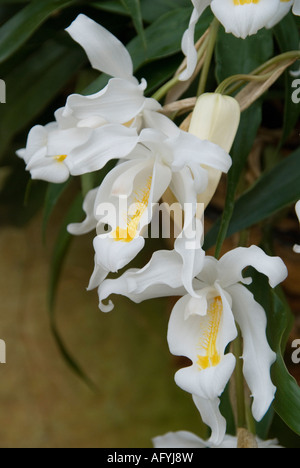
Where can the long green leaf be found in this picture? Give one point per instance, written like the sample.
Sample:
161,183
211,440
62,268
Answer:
280,319
61,249
287,36
134,9
235,56
274,191
287,399
164,36
53,194
32,86
20,27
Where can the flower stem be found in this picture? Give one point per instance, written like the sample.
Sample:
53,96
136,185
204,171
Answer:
213,34
161,92
239,384
232,83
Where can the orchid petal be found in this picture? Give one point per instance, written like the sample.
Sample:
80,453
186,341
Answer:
199,334
188,40
48,169
297,247
119,102
180,439
282,10
37,139
189,150
189,246
90,222
232,264
105,52
112,255
161,277
257,355
211,415
296,7
244,19
158,121
105,143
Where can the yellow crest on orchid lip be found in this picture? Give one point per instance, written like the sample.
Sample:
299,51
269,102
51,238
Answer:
245,2
211,358
141,204
61,158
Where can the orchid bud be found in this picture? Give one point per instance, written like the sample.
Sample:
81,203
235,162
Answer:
215,118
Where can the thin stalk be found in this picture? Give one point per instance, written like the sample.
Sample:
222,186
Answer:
232,83
239,384
161,92
212,38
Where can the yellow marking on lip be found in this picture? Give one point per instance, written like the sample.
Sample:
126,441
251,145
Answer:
141,203
61,158
245,2
209,343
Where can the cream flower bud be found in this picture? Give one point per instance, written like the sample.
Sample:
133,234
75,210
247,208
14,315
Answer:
215,118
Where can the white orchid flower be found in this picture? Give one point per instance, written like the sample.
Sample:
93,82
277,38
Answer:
188,440
122,100
47,150
126,197
297,247
240,17
53,154
201,326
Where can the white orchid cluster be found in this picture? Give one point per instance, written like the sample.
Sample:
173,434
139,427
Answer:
153,155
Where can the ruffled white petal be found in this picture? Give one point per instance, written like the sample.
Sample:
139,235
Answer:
282,10
211,415
105,52
208,383
188,40
90,222
257,354
105,143
296,7
188,150
161,277
48,169
188,334
246,19
297,247
231,265
180,439
184,439
112,256
119,102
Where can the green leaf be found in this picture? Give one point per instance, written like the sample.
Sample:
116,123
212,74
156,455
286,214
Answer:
287,399
235,56
134,9
274,191
53,194
112,6
164,36
280,319
61,249
287,36
153,10
15,32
